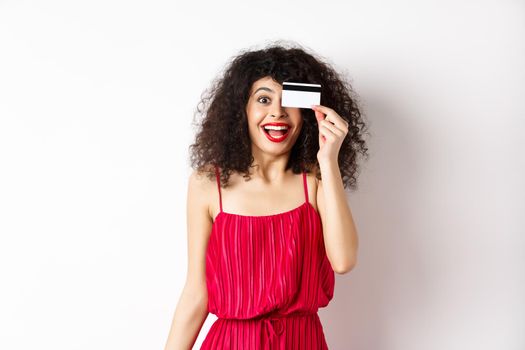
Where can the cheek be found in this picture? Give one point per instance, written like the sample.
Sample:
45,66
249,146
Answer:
253,115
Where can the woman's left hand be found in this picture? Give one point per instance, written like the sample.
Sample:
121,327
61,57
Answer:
332,130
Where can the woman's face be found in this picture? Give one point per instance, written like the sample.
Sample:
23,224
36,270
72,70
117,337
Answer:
264,108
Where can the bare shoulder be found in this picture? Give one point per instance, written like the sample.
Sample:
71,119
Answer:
200,177
313,185
200,188
314,178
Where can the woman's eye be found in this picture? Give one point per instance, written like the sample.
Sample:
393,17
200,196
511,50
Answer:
263,98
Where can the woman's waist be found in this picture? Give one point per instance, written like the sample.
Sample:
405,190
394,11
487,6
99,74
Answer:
271,325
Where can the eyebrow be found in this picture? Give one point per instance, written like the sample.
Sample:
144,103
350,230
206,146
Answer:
263,88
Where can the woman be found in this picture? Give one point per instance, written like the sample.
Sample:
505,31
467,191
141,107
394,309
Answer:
269,224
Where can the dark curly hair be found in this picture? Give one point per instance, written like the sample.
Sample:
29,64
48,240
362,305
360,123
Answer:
223,139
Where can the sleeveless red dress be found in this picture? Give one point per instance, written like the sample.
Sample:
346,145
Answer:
266,278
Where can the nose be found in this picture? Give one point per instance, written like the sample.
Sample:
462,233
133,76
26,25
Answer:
278,111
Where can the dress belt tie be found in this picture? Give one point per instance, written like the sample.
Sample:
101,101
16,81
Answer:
272,332
274,327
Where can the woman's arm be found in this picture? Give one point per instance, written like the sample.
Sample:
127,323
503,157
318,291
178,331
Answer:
192,308
339,231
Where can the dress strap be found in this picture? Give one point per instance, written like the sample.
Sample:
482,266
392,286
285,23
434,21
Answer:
305,187
218,185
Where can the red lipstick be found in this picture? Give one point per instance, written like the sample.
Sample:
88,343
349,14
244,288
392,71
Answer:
274,138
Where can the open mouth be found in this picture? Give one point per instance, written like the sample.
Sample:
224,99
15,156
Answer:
276,131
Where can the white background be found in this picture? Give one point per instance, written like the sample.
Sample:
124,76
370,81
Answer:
96,104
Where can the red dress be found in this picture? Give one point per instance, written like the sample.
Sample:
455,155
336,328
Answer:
266,278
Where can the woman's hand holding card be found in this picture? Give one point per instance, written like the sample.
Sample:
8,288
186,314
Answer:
332,131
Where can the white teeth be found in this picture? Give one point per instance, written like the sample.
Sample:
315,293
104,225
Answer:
272,127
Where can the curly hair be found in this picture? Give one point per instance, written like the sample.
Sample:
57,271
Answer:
222,138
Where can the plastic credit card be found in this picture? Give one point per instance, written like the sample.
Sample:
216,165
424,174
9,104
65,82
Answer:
300,95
